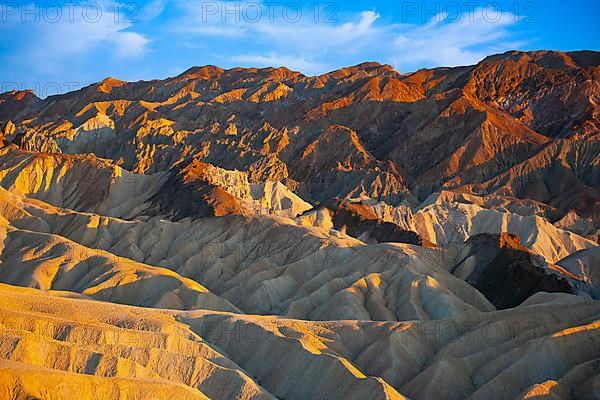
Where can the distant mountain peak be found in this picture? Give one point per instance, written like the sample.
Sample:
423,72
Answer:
109,83
202,72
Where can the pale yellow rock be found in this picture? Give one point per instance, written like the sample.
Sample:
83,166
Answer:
260,265
452,223
544,350
269,307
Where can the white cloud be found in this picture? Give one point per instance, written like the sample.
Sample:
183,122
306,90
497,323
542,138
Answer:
184,35
130,44
462,42
151,10
77,34
278,60
305,45
314,47
307,35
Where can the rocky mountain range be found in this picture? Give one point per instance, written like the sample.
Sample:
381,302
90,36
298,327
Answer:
262,234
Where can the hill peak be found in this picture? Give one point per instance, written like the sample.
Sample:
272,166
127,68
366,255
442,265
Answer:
202,72
109,83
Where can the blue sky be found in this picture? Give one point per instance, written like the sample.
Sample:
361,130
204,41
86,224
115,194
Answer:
54,46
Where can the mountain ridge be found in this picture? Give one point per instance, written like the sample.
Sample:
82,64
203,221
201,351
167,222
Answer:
253,233
264,120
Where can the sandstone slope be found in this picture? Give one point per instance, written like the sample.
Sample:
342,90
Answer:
124,350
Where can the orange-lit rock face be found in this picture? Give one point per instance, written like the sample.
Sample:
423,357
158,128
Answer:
451,128
260,234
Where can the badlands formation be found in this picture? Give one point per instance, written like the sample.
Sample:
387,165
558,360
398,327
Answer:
261,234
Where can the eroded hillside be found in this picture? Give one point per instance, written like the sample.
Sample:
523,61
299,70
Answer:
261,234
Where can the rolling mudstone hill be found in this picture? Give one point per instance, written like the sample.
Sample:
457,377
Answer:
261,234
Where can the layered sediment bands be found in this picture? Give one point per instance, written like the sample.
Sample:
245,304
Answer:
369,224
21,381
260,234
363,131
563,174
79,182
501,355
100,349
50,262
453,223
448,220
566,109
90,184
584,265
261,265
203,190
